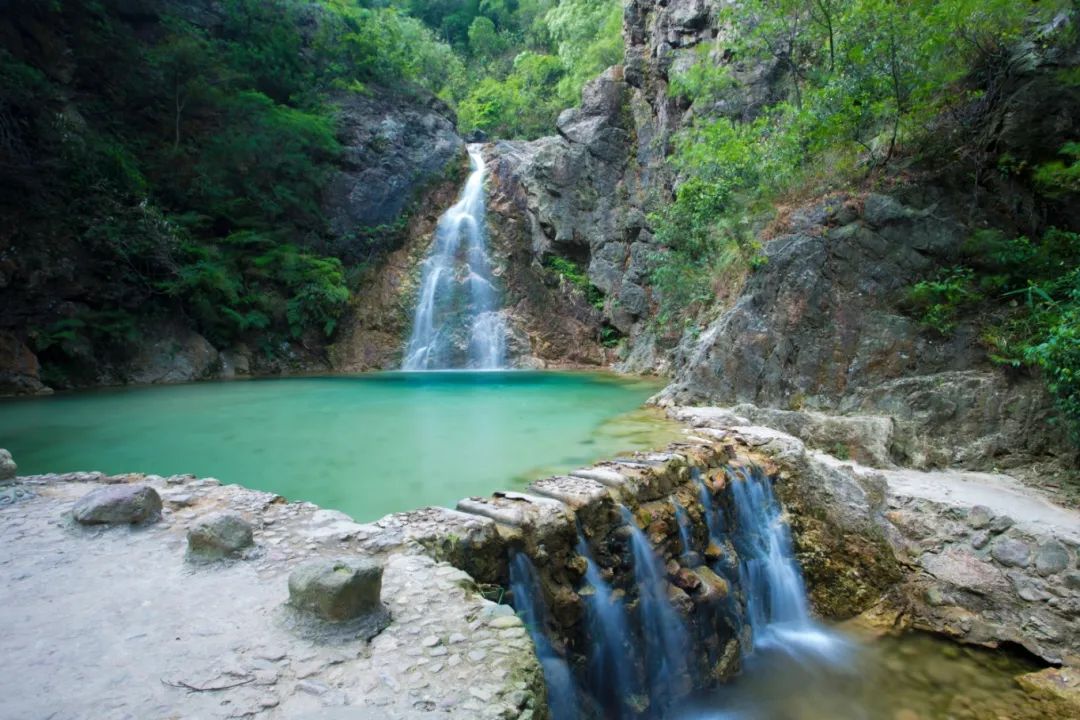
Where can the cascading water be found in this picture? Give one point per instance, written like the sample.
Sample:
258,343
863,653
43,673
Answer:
457,323
683,521
666,642
610,676
561,689
714,519
777,607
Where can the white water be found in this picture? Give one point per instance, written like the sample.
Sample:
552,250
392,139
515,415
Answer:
777,606
457,323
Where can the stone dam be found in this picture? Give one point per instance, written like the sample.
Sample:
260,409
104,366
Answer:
612,591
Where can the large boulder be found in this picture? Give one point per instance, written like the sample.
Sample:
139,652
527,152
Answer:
338,590
8,468
219,535
118,505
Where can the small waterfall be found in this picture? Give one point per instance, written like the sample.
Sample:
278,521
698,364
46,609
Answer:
683,521
457,322
610,665
666,641
777,607
714,519
529,602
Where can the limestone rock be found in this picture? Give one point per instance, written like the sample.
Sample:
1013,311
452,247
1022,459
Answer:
8,468
219,535
171,353
337,590
118,505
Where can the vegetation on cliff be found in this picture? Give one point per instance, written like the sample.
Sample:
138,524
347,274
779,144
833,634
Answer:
169,159
869,93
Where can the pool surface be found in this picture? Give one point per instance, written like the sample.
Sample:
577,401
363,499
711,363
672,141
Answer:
366,445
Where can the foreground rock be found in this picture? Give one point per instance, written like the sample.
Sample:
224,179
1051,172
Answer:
338,590
118,505
219,535
8,468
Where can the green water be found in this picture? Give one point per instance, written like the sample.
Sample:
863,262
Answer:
366,445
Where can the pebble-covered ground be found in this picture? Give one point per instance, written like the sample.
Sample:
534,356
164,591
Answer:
114,622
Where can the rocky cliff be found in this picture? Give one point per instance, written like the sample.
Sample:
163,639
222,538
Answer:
820,324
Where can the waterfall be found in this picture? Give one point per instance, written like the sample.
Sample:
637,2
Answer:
529,602
683,521
777,608
610,676
714,519
457,322
666,642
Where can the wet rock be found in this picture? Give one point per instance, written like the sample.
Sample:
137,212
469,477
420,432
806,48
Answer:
118,504
712,586
1051,558
8,468
20,372
1011,552
1061,685
219,535
337,590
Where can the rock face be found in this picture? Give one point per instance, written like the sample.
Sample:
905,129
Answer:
219,535
819,328
118,505
20,372
338,590
395,147
8,468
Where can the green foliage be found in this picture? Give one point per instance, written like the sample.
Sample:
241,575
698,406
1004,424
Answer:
940,300
530,62
862,80
1058,178
1031,290
574,274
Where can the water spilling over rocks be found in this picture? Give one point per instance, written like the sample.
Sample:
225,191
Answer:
457,323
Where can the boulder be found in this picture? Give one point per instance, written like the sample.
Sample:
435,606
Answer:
1051,558
8,468
338,590
1011,552
118,505
219,535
